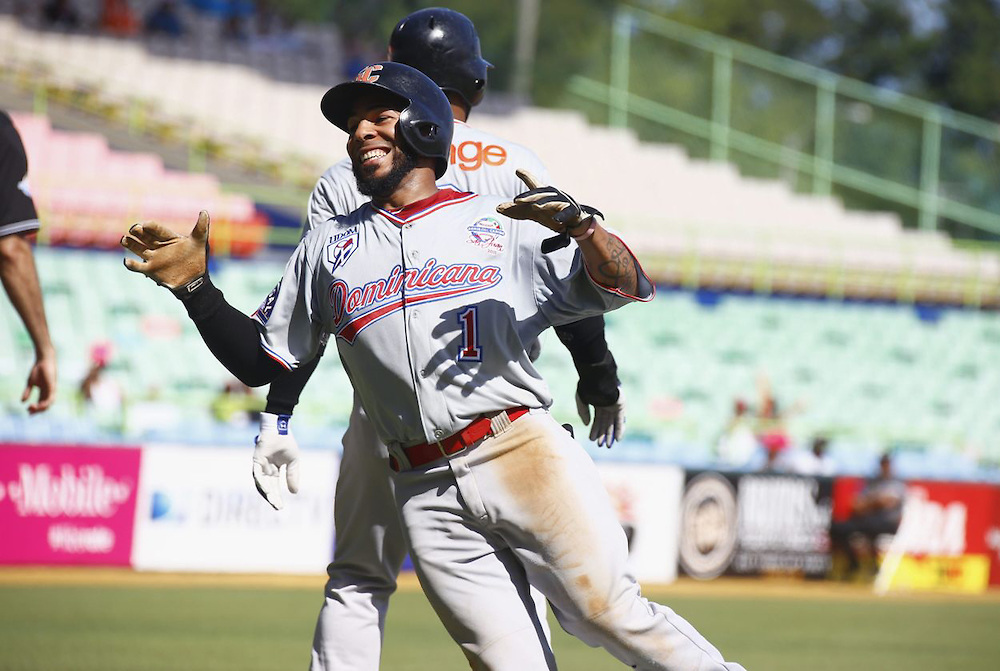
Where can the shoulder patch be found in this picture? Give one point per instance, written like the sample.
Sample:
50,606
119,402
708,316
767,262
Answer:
263,313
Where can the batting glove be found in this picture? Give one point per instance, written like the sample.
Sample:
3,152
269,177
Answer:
609,420
275,458
549,206
178,262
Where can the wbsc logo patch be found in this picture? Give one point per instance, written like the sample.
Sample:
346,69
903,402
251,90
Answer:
263,313
341,247
487,234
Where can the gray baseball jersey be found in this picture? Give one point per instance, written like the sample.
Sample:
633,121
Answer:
370,546
433,308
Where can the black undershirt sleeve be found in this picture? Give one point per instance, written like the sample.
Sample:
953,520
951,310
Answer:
230,335
285,389
594,363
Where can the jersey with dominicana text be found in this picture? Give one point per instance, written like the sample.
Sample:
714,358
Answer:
432,308
479,162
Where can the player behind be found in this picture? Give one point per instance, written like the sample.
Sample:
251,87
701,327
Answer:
493,494
370,549
17,263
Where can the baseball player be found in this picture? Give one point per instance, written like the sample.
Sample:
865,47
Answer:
369,552
433,297
17,263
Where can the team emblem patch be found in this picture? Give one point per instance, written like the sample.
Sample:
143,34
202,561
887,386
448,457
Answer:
487,234
341,247
263,313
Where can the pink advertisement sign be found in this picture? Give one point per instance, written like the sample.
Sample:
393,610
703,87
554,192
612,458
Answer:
66,504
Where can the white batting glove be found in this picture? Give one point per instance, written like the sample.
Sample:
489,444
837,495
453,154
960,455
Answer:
609,420
275,458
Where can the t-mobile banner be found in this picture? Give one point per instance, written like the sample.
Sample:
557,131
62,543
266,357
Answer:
67,504
647,499
199,511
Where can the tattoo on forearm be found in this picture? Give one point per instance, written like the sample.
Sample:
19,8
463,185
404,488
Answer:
619,270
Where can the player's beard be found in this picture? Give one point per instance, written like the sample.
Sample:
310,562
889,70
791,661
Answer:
380,188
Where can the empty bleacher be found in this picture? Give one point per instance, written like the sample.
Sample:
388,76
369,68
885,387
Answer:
85,192
695,222
870,375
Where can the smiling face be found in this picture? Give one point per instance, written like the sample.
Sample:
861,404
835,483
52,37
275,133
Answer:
380,159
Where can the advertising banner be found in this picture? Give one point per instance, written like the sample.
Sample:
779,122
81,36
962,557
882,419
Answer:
755,523
198,510
647,500
949,537
67,504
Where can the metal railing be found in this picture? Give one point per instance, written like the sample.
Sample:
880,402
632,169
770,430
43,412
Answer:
827,134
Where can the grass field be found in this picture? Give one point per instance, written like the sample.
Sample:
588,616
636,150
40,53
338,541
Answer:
104,620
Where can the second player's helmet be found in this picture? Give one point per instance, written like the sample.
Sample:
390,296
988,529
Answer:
443,44
426,123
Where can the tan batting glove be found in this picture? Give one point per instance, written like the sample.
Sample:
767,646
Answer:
549,206
178,262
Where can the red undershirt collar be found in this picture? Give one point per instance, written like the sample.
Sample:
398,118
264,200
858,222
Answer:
441,196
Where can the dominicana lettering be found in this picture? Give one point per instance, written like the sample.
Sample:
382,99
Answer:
358,307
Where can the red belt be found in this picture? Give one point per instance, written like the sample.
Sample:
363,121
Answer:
425,453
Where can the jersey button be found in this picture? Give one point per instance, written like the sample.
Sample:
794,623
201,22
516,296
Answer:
438,433
414,255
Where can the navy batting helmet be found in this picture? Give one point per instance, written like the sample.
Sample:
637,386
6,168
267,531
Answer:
443,44
425,124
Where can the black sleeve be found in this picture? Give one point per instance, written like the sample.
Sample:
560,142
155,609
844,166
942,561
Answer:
594,363
230,335
285,389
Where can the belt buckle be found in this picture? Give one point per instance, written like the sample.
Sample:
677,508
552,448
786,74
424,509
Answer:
447,455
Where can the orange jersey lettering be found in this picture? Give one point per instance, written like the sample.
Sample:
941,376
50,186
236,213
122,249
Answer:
471,155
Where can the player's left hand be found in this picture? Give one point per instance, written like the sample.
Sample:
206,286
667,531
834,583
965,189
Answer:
275,458
609,420
548,205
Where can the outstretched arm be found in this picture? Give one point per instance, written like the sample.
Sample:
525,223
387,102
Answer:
607,259
20,280
180,263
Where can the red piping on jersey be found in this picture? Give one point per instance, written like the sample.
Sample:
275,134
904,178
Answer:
638,269
421,208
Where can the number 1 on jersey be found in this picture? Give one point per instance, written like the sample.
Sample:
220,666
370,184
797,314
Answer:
468,320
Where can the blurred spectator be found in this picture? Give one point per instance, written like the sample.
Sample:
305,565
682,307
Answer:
814,462
358,54
102,397
224,7
234,29
18,220
60,14
877,510
165,20
117,18
237,405
738,443
775,446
